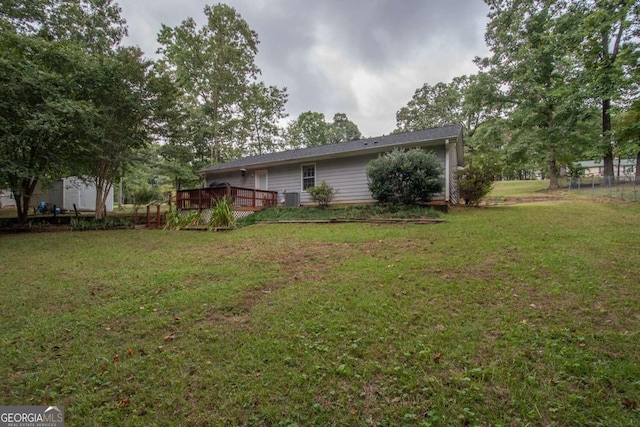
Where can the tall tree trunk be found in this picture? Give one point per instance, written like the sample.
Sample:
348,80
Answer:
23,197
99,202
637,165
553,170
606,134
22,206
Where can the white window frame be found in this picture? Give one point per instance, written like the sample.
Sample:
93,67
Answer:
302,177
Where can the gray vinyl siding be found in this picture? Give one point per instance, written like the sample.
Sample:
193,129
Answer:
347,175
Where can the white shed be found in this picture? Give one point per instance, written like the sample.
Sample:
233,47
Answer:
6,199
66,192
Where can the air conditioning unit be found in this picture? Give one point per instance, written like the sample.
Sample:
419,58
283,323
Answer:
292,200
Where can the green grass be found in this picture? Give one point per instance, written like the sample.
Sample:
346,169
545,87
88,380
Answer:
532,188
509,315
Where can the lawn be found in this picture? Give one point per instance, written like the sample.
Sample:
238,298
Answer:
531,188
525,314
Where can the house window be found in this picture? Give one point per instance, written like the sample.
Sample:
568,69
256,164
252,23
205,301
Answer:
308,176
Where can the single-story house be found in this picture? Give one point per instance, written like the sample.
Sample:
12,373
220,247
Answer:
66,192
342,165
621,167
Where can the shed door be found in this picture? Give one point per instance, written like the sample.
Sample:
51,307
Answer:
262,182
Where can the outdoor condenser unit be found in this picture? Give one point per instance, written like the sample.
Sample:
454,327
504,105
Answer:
292,200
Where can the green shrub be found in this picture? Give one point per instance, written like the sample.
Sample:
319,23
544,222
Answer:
322,194
144,194
83,224
221,214
177,220
474,183
405,177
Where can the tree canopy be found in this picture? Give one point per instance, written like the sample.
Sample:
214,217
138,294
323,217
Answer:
53,54
310,129
223,104
533,107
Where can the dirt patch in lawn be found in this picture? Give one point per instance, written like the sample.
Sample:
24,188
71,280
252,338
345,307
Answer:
516,200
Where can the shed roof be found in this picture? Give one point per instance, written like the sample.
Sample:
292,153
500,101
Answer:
343,148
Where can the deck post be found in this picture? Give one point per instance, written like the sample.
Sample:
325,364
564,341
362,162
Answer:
158,215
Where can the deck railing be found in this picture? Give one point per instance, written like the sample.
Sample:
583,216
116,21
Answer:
241,198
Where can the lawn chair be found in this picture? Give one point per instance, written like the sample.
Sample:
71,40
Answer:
43,207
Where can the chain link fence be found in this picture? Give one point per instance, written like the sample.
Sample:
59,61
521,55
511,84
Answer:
622,187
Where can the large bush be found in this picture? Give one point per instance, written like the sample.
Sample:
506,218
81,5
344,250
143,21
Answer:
474,183
405,177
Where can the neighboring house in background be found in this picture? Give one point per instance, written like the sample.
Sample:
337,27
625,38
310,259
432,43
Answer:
66,192
621,167
342,165
6,199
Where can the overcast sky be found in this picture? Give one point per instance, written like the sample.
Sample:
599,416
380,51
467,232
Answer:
364,58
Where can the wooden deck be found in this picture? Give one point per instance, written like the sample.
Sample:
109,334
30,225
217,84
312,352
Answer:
248,199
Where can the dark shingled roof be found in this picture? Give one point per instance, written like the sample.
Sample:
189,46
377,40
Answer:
361,145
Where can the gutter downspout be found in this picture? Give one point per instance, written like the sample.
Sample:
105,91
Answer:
446,170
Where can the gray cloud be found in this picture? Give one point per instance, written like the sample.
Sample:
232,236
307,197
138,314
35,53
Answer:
361,57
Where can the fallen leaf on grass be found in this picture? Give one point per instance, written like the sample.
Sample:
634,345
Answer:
437,357
170,337
116,358
631,404
130,377
131,351
124,402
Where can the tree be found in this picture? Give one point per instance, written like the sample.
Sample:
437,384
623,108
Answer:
121,101
215,71
532,58
430,107
628,134
263,108
49,51
95,24
468,100
42,119
308,130
169,127
342,129
407,177
608,45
